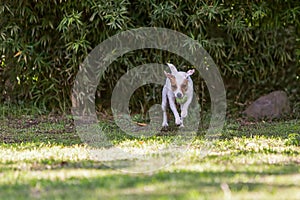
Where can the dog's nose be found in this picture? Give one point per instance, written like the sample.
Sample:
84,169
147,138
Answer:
179,95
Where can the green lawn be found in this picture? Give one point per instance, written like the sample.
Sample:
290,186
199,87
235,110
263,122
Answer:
43,158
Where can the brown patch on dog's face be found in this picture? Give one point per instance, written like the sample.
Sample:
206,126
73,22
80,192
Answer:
184,86
173,81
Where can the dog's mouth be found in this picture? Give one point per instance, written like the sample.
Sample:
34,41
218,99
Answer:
182,99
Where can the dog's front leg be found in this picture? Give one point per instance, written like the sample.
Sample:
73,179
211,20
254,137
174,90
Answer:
174,110
184,110
164,107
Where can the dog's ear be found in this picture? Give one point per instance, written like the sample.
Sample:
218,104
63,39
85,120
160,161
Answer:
168,75
172,68
190,72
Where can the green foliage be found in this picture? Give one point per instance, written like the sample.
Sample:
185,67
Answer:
256,45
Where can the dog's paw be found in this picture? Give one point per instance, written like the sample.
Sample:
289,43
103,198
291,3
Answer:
178,122
165,125
183,113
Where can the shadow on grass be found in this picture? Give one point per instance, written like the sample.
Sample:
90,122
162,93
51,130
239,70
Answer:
280,129
178,184
38,129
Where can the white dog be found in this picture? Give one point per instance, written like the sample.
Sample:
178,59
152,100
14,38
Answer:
179,87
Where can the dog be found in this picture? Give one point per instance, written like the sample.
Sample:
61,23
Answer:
178,88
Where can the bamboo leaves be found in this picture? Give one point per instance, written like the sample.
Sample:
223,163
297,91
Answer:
255,43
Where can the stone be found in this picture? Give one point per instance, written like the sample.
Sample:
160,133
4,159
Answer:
273,105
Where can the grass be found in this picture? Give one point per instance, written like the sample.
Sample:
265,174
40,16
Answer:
42,157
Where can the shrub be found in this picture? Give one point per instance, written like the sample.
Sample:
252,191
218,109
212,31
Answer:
256,45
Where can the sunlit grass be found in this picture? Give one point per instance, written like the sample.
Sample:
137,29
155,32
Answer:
48,161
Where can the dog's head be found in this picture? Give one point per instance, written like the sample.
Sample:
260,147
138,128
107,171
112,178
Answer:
179,81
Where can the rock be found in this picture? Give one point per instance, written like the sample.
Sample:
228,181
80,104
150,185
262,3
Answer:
270,106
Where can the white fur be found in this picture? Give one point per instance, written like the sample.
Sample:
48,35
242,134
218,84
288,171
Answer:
168,95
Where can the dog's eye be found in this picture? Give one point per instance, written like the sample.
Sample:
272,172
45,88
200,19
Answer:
184,87
174,87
